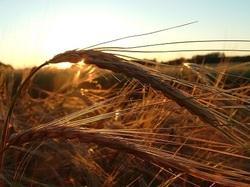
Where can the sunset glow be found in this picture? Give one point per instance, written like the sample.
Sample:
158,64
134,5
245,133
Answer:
63,65
32,32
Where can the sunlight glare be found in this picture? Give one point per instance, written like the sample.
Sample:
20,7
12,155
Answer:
63,65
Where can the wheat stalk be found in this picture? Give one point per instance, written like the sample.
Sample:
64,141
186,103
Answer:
119,65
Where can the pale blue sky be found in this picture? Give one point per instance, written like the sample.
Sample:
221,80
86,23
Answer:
32,31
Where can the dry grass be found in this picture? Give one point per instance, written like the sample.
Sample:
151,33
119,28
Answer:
149,128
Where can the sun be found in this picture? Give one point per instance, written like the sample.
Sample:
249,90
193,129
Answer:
63,65
67,65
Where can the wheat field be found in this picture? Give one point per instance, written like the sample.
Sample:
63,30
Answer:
114,120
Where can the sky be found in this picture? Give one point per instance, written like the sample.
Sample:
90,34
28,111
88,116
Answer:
33,31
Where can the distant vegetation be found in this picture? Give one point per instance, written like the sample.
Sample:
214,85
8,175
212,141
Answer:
212,58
